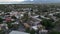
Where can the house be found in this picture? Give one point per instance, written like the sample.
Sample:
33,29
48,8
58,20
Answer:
8,19
34,27
3,26
44,17
43,31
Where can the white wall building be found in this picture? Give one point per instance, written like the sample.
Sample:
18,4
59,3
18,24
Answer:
17,32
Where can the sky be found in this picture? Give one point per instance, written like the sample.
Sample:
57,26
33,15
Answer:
37,1
30,0
13,0
10,0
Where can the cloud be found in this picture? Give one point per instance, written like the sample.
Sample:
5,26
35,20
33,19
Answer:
9,0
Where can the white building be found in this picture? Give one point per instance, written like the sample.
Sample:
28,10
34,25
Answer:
17,32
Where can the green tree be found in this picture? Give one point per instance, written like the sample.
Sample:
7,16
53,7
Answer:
13,17
54,32
32,31
1,20
27,30
25,17
47,23
57,15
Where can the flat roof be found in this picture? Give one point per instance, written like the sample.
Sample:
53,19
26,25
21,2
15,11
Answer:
17,32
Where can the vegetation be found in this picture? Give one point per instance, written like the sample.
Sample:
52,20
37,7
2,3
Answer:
2,32
9,25
57,15
32,31
13,17
25,17
27,30
54,32
47,23
1,20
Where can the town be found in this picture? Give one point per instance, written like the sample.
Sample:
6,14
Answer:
29,19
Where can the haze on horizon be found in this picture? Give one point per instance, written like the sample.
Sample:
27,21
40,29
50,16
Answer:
35,1
31,0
